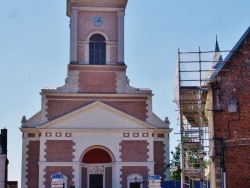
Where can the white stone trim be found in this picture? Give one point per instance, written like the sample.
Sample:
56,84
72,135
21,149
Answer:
76,173
108,54
108,9
149,110
71,83
120,82
75,150
166,157
24,162
97,32
147,163
44,163
42,148
117,175
150,148
86,53
73,35
52,93
120,26
44,110
41,175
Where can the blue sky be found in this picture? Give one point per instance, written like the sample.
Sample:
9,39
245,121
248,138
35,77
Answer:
34,52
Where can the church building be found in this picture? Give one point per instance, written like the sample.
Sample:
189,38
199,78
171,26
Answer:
96,129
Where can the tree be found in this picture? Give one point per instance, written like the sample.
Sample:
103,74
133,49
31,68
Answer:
175,162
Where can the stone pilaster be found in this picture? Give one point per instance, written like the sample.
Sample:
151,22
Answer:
73,36
24,162
121,37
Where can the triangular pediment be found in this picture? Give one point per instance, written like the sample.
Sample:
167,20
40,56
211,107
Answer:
97,115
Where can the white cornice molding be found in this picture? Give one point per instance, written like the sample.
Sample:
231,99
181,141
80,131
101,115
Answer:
43,163
39,130
98,130
97,31
29,130
99,95
134,163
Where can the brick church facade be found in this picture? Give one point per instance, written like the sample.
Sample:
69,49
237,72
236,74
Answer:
96,129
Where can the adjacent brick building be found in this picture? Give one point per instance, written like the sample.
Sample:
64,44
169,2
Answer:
229,101
96,129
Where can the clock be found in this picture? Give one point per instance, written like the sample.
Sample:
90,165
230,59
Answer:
97,21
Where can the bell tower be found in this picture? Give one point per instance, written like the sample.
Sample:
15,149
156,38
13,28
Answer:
96,31
96,47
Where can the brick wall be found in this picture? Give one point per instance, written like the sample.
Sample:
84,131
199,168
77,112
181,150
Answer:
66,170
108,177
59,150
134,106
137,109
159,151
32,166
113,54
129,170
109,26
134,150
97,82
238,166
235,84
84,177
57,108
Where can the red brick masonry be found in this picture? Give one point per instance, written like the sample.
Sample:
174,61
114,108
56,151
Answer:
129,170
134,150
32,166
59,106
159,158
59,150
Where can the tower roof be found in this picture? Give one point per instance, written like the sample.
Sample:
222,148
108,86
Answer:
217,49
217,55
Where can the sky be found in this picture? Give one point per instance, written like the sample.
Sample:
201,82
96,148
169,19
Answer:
34,52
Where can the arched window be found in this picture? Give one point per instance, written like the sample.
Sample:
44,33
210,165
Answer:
97,50
97,156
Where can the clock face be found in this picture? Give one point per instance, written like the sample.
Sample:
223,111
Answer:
97,21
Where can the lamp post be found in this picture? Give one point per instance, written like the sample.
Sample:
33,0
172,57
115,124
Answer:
175,168
201,156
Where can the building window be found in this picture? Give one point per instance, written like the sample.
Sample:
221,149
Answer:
97,50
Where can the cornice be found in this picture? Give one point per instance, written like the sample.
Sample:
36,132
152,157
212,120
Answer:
100,95
96,5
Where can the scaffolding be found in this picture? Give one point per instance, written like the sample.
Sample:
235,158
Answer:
193,74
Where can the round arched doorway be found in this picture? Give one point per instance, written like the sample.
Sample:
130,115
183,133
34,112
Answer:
97,165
